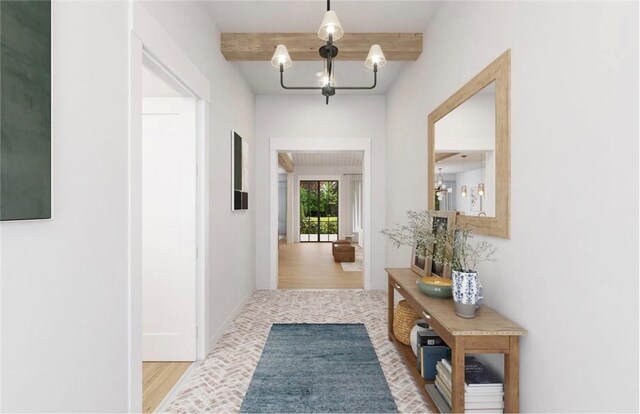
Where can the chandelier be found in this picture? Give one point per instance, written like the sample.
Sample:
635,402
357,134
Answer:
330,31
440,187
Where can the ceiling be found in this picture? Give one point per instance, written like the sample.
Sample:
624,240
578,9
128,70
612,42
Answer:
454,165
290,16
341,158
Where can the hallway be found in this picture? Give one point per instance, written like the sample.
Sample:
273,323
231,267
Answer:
220,382
311,266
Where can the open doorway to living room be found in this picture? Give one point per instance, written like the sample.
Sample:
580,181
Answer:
320,211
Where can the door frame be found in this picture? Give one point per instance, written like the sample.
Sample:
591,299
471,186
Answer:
150,43
310,145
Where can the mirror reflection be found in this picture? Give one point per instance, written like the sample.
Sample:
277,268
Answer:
465,164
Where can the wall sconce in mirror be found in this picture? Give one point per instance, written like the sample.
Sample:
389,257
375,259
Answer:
469,145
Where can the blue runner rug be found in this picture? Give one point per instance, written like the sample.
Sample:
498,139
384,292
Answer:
318,368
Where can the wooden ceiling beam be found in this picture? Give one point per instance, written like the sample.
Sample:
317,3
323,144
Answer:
285,161
304,46
441,156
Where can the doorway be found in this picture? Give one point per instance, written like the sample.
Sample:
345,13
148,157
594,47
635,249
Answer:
323,208
150,46
169,220
278,146
319,201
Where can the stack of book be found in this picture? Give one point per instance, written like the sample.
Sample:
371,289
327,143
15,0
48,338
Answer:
483,391
431,349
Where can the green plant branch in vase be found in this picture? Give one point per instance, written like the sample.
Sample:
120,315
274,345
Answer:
453,247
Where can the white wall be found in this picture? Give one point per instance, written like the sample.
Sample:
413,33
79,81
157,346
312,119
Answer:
469,127
232,234
299,116
569,274
64,280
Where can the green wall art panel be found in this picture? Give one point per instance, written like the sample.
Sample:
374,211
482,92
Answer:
25,110
239,172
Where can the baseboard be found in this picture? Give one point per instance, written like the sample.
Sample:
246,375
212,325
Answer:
227,322
162,407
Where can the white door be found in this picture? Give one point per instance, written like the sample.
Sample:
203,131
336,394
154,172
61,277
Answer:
169,229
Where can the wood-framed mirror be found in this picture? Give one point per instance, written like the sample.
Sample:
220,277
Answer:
469,151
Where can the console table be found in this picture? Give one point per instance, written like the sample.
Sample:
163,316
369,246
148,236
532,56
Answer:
488,333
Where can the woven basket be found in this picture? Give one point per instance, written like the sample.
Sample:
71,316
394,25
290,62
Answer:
404,319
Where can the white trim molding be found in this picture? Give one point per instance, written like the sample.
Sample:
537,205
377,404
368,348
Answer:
150,41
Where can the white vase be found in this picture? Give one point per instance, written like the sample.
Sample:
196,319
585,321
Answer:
414,334
467,293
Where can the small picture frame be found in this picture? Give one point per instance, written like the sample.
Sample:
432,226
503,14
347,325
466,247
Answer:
419,262
442,221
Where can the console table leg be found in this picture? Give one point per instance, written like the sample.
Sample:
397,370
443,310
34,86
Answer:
390,306
457,380
512,376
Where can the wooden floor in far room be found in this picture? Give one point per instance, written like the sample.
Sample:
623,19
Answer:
158,378
311,266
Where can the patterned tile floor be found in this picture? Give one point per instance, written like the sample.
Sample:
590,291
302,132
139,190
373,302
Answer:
219,384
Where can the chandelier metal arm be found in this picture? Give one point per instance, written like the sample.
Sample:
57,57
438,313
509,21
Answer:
294,87
375,82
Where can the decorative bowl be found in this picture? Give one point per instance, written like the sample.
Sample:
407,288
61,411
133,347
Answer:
435,287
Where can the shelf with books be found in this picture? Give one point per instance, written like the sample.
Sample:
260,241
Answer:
483,391
410,361
488,333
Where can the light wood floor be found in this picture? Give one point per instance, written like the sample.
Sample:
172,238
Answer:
157,380
311,266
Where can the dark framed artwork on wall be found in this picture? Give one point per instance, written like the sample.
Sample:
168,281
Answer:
25,110
239,173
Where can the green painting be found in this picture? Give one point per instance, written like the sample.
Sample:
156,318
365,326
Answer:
240,172
25,110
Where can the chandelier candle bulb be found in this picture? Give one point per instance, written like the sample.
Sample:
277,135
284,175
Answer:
330,26
281,57
375,57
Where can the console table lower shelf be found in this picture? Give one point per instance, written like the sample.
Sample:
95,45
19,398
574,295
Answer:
411,362
488,333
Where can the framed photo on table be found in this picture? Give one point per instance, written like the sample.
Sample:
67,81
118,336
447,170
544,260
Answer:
419,262
441,221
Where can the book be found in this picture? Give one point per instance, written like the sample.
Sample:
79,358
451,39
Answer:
429,356
493,405
477,377
445,382
446,394
477,399
426,338
429,338
496,404
446,377
484,390
480,411
438,399
483,411
484,398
